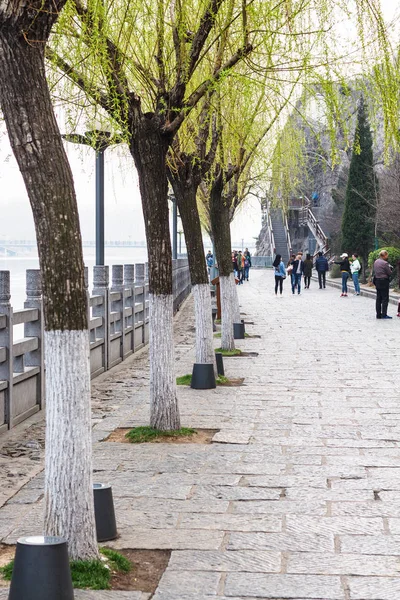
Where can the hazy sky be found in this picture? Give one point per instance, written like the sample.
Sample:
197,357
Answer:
124,219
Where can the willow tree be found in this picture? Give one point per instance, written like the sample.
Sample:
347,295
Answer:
35,139
191,156
144,67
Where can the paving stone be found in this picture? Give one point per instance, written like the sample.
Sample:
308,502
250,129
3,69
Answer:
165,539
370,544
279,507
188,582
246,561
236,493
346,564
172,506
335,525
283,586
374,588
231,437
292,542
231,522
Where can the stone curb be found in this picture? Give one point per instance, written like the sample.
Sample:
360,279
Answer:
367,293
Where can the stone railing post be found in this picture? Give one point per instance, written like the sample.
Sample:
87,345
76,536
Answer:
117,285
100,288
141,284
35,329
129,305
6,342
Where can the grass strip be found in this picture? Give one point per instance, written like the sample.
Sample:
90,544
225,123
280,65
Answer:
139,435
235,352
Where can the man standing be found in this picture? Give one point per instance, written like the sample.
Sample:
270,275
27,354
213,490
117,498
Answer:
322,266
298,269
247,263
382,272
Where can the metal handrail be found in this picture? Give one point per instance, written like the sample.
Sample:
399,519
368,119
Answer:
288,240
271,231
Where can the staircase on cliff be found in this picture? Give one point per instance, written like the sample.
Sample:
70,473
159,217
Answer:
280,234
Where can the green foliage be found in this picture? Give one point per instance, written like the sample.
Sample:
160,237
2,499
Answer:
184,380
7,570
335,272
221,379
394,255
362,190
139,435
235,352
90,574
117,561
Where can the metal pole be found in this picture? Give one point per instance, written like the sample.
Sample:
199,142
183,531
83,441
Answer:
100,206
174,229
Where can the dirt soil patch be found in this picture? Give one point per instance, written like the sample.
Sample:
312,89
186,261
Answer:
202,436
242,354
147,569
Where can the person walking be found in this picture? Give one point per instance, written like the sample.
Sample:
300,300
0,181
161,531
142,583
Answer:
308,265
234,263
355,268
345,270
382,273
280,273
322,266
239,267
298,268
289,268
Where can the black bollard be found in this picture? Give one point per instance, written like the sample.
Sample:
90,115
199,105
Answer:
203,377
220,363
41,570
106,527
238,331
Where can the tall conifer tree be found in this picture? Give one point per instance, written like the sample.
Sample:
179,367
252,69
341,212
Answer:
362,191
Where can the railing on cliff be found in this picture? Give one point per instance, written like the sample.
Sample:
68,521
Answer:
288,240
118,326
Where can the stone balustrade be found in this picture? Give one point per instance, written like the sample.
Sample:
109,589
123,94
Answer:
118,315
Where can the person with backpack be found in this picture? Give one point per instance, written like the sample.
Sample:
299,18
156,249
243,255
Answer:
247,263
239,267
345,270
356,270
280,273
322,266
298,270
308,266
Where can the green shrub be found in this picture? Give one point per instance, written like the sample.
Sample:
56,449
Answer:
335,273
394,255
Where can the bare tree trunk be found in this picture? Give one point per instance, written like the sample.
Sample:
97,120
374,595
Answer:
219,214
185,184
36,143
149,150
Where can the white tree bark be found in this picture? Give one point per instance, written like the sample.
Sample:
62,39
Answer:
69,507
228,311
204,331
235,301
164,411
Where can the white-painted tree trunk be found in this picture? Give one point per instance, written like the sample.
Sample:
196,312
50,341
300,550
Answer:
235,301
228,311
204,331
164,411
69,508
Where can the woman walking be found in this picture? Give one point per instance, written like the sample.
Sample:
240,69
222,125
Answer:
280,273
345,270
308,265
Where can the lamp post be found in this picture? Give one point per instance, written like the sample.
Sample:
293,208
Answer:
100,141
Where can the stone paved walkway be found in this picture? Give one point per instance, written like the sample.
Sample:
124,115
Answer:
303,499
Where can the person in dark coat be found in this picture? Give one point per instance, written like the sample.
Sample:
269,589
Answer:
322,266
307,272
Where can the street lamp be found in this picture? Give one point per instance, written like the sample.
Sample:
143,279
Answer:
100,141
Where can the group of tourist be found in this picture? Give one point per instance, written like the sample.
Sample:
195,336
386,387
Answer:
297,268
241,263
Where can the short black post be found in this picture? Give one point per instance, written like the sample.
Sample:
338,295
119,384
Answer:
238,331
41,570
220,363
106,527
203,377
214,316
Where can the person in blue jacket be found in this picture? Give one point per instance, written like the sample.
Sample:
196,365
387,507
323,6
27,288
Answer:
298,270
280,273
322,266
